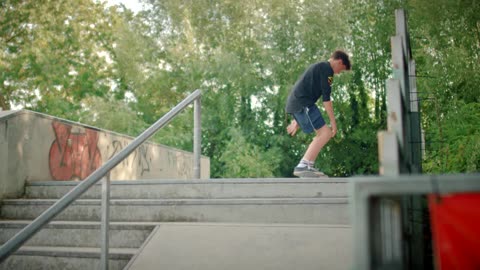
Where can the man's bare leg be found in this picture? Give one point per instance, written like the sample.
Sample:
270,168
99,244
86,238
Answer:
324,134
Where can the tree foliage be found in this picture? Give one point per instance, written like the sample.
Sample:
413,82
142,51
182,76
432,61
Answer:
446,42
51,54
83,60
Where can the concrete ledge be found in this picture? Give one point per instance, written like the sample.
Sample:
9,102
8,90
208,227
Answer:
4,115
294,210
79,234
244,201
61,258
79,252
81,224
210,181
211,189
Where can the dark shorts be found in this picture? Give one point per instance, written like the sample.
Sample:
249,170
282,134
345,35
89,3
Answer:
309,119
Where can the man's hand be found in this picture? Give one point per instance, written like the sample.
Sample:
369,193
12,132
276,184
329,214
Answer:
329,108
292,128
334,129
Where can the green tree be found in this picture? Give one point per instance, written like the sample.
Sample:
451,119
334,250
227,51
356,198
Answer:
81,60
246,57
54,54
446,44
246,160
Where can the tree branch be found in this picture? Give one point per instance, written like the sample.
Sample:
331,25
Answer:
16,35
3,103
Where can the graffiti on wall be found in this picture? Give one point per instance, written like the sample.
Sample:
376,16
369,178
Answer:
73,155
182,168
139,158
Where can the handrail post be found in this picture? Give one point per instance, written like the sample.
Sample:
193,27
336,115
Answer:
104,227
197,137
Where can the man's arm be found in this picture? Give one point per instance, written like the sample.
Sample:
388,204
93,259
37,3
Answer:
329,108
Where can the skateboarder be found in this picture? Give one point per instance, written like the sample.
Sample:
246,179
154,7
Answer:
314,83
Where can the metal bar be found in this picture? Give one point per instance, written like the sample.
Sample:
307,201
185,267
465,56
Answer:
104,229
401,30
423,144
393,235
27,232
414,105
400,71
414,184
197,138
399,68
361,231
415,128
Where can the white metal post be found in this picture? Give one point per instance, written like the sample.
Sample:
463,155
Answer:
197,138
104,227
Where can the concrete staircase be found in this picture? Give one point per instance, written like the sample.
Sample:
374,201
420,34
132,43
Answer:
295,219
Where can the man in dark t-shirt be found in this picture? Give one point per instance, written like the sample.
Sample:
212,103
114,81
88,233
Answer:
314,83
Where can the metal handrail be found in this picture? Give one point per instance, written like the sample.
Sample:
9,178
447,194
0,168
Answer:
26,233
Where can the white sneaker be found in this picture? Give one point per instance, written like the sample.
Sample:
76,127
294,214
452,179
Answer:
308,171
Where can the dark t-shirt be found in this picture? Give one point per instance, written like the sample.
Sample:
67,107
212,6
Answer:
313,83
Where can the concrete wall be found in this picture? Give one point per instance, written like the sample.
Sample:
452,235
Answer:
38,147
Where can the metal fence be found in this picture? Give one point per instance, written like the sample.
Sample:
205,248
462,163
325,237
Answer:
396,223
379,234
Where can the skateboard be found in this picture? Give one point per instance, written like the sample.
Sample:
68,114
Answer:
311,175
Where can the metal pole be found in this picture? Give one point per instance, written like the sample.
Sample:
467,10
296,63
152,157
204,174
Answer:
197,138
104,227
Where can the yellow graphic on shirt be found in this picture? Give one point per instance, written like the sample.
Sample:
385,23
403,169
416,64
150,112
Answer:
330,80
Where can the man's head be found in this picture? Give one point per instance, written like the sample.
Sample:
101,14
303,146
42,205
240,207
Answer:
339,61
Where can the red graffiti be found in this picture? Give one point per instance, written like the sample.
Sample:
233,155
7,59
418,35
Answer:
73,155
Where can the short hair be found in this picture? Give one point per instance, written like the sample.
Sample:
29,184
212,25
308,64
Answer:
339,54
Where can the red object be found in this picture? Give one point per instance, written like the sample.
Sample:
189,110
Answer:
73,155
455,221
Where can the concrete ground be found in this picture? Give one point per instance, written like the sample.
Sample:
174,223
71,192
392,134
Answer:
245,246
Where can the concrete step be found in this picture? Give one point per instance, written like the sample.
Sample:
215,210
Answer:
80,233
207,189
268,210
246,246
60,258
